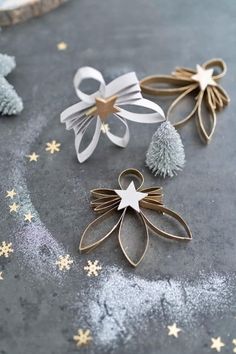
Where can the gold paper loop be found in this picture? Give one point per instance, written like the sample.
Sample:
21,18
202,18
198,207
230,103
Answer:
130,172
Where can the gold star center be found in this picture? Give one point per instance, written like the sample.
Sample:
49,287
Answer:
104,107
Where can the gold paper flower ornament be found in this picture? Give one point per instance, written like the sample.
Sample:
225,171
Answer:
202,82
114,205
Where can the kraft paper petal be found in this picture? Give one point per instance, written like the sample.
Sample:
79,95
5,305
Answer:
206,136
100,229
122,91
157,211
136,251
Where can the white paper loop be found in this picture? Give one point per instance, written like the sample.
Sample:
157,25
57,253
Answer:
127,90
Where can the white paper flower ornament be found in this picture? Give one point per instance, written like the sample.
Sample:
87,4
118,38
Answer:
109,100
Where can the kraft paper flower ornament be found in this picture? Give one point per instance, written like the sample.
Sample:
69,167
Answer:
202,83
109,100
114,205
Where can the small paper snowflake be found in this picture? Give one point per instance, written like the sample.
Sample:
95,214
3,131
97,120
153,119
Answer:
105,128
64,262
83,337
6,249
53,146
92,268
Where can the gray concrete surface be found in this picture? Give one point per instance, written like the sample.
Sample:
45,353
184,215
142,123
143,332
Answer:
126,310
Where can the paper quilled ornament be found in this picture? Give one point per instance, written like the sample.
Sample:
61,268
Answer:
10,102
110,100
118,207
203,86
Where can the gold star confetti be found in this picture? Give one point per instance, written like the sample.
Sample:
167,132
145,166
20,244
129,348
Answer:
83,337
14,207
28,216
234,343
5,249
64,262
92,268
105,128
1,277
11,194
33,157
53,146
217,344
62,46
174,330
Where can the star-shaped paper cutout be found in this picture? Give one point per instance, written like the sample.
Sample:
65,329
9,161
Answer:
62,46
174,330
53,146
14,207
217,344
204,77
105,107
33,157
11,194
28,217
130,197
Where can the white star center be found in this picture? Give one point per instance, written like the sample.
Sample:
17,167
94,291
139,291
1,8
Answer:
204,77
130,197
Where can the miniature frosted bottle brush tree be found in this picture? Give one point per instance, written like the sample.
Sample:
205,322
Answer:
165,155
10,102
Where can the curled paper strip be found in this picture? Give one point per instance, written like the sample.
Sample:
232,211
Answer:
202,82
109,100
115,204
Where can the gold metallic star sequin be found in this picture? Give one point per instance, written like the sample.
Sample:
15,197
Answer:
62,46
1,276
11,194
174,330
14,207
83,337
28,217
105,128
53,146
33,157
217,344
92,268
64,262
6,249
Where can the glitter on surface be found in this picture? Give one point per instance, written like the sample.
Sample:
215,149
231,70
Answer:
121,305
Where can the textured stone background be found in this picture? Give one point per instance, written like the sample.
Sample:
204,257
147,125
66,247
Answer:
127,310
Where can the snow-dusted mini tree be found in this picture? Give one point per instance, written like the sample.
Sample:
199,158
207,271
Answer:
165,155
10,102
